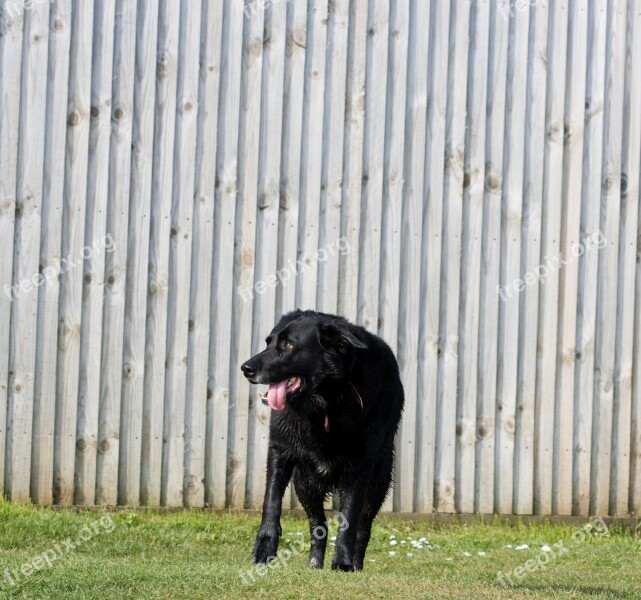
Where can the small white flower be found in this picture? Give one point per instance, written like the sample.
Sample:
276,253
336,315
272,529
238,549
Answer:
419,546
392,553
422,539
449,558
508,545
481,553
333,538
522,547
466,554
392,536
403,542
546,548
410,554
392,542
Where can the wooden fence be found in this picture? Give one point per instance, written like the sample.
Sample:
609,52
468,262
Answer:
460,176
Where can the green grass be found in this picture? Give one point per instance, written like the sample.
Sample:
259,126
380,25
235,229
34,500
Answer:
195,555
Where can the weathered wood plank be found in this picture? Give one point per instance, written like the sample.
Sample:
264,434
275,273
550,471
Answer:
173,482
550,242
24,309
631,170
588,422
533,199
151,491
332,174
312,153
113,370
224,296
484,475
294,84
450,281
244,252
198,393
511,221
94,266
373,165
429,340
605,467
471,244
50,245
353,158
130,460
574,186
592,152
75,196
10,74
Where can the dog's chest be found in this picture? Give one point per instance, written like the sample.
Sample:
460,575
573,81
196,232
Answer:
318,456
314,449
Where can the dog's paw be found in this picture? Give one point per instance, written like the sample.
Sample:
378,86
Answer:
265,547
342,560
359,558
342,566
315,561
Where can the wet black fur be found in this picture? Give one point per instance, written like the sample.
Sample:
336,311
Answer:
338,362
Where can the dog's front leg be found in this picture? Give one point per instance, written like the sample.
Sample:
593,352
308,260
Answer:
351,507
279,472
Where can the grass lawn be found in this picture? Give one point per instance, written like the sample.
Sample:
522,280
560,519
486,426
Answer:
195,555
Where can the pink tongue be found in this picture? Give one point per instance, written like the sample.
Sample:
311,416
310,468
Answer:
276,395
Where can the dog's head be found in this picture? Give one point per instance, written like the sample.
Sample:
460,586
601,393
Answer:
304,351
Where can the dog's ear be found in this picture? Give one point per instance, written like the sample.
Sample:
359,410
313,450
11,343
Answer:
338,337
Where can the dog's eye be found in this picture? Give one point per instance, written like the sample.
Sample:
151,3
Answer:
287,345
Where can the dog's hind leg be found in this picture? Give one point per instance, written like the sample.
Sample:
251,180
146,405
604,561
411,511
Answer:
353,500
362,538
377,492
312,496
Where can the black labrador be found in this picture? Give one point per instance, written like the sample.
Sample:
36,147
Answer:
337,399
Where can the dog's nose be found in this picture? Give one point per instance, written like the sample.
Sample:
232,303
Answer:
249,369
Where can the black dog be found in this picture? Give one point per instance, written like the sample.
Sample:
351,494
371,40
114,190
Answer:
337,400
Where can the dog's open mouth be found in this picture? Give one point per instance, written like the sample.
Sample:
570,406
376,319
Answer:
277,393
